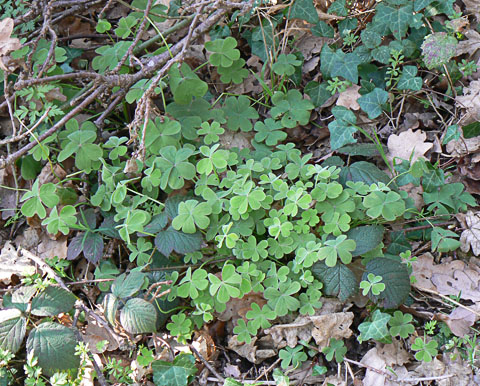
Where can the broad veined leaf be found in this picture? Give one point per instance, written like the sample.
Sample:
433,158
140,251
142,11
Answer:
438,48
54,346
395,277
367,238
337,281
172,240
52,301
127,285
138,316
13,326
365,172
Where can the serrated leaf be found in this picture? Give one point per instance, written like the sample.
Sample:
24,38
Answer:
172,240
110,306
127,285
317,92
176,373
438,48
395,277
305,10
75,247
13,327
372,102
138,316
367,238
363,171
93,247
337,281
52,301
54,346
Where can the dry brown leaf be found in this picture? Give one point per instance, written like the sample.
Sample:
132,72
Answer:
319,327
460,319
8,197
470,101
453,278
472,6
463,146
13,264
471,45
94,333
470,237
349,97
373,360
250,351
404,144
8,44
460,371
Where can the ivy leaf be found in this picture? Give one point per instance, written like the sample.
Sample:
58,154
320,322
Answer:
13,327
223,51
54,346
270,131
317,92
337,281
305,10
376,329
172,240
342,128
192,214
372,102
370,38
453,133
323,30
176,373
285,64
339,8
138,316
408,80
337,63
281,299
395,277
418,5
291,107
389,18
234,73
239,112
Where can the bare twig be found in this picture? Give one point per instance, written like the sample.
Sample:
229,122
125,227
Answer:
207,365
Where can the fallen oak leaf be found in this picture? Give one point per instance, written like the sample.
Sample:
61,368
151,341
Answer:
408,144
470,237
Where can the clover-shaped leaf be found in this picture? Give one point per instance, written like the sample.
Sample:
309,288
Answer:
259,317
225,287
175,167
400,325
61,222
245,331
185,84
425,350
335,348
86,152
292,356
291,107
270,131
281,299
389,205
192,214
211,131
238,113
234,73
339,247
285,64
192,283
223,51
373,284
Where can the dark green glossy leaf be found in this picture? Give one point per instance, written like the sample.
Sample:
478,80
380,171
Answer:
367,238
138,316
172,240
12,329
52,301
337,281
